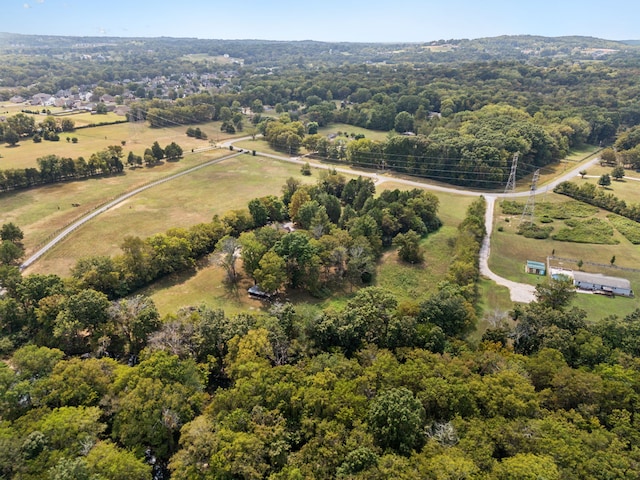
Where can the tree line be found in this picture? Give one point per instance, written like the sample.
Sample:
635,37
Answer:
54,168
591,194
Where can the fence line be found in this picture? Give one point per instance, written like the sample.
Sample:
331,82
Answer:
605,265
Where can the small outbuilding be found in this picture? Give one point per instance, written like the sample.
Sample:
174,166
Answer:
536,268
599,283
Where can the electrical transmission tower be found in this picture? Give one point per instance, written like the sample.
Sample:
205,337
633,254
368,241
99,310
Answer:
511,183
529,208
136,125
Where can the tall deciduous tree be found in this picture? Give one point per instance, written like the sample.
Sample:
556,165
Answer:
396,420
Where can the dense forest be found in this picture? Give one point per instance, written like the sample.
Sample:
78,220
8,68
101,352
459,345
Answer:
95,384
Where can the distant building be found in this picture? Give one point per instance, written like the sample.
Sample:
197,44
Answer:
597,282
536,268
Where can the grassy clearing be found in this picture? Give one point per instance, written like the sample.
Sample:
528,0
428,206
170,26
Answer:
90,140
551,172
600,306
416,282
181,202
561,210
592,230
628,228
202,286
43,210
334,128
411,283
494,307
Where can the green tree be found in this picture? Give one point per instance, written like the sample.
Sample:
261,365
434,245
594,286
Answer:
312,128
604,180
157,151
173,151
100,273
13,233
251,253
10,253
21,124
112,463
555,294
11,137
403,122
67,125
617,173
271,273
396,419
449,310
131,321
409,247
527,466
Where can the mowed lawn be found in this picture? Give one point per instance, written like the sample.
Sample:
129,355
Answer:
182,202
137,138
203,286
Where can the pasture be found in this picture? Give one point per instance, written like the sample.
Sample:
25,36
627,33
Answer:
181,202
43,210
137,138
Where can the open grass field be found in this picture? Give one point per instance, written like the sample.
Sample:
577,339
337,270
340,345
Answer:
182,202
510,252
90,140
205,286
349,129
43,210
627,189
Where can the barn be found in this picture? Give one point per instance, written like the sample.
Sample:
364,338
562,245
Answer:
602,283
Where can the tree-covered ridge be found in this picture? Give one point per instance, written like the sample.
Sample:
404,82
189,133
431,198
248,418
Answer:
263,51
278,395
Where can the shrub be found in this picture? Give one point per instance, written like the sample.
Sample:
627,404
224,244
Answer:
592,230
531,230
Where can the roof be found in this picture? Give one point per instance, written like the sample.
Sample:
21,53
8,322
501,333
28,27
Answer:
531,263
600,279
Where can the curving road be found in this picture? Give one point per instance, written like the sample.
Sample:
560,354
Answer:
519,292
78,223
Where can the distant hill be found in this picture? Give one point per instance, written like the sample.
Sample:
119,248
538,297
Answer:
274,53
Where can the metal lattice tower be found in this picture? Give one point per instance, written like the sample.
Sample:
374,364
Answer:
529,208
511,183
136,125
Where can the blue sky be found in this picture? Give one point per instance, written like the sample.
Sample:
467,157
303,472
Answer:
324,20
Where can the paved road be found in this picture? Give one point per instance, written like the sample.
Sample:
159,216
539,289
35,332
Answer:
58,238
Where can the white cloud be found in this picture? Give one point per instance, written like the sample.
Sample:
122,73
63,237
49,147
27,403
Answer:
40,1
26,5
